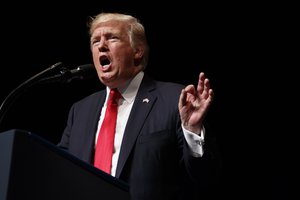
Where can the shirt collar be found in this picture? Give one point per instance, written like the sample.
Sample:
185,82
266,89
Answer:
130,90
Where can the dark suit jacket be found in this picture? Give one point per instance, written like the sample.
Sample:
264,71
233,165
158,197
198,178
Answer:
154,158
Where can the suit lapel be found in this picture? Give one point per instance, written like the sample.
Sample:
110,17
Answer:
95,111
140,110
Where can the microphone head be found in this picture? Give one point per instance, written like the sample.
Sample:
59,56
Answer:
85,71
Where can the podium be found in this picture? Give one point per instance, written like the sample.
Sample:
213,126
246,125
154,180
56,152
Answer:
33,168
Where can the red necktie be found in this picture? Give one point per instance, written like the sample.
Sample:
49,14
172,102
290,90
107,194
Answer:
105,142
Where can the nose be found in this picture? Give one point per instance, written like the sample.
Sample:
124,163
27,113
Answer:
103,46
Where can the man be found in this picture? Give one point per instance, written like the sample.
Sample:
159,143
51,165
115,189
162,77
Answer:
158,144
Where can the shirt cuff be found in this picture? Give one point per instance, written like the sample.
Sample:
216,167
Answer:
195,141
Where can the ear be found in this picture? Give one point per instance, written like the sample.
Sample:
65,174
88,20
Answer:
139,52
138,55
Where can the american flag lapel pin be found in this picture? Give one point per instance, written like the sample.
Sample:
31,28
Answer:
146,100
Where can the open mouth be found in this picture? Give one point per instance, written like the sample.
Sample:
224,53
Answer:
104,61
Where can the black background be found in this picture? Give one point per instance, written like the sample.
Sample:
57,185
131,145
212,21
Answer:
236,45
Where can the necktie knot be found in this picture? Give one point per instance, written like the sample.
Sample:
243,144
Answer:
114,96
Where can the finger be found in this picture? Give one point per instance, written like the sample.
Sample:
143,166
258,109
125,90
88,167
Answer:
211,95
190,89
200,86
182,99
206,88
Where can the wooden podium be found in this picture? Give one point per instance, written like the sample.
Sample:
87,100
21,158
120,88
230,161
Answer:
33,168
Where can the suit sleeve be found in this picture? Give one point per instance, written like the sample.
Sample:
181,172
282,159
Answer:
205,169
64,142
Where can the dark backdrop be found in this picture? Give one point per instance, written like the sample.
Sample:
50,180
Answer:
232,43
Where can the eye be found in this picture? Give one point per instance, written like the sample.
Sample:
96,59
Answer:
113,37
95,42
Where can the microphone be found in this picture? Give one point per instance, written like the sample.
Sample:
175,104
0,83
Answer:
65,75
18,91
86,71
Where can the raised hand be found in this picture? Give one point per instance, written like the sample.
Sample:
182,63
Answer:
194,104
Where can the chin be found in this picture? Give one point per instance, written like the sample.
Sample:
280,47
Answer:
108,81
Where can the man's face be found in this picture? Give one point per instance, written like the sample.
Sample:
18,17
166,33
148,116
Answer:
113,55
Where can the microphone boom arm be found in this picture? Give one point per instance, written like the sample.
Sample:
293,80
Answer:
12,96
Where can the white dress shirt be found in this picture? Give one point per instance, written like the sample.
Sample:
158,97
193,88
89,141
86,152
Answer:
129,92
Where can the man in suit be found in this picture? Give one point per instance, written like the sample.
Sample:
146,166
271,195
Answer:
159,144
